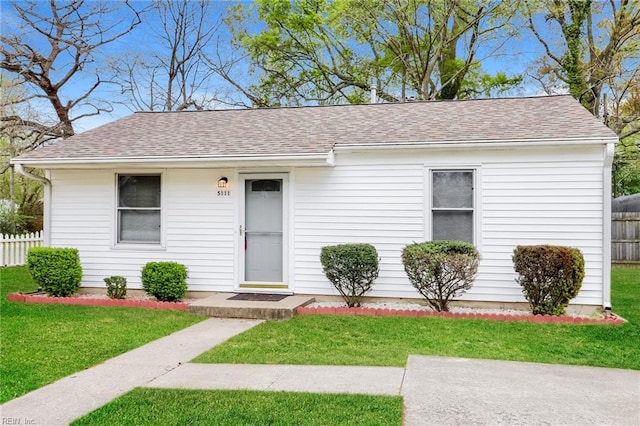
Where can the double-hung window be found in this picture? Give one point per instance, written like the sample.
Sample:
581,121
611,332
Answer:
452,208
138,214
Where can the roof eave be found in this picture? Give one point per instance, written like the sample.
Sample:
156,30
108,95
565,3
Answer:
307,159
478,144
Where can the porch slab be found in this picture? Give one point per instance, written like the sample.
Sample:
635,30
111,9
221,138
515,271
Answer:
220,305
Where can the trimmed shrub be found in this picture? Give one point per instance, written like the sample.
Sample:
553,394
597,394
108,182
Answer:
166,281
351,268
441,270
56,270
116,287
550,276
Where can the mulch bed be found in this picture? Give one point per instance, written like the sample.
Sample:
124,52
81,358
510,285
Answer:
611,319
128,303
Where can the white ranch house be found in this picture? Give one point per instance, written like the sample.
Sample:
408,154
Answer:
247,198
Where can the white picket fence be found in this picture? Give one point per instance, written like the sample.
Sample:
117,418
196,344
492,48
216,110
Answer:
14,248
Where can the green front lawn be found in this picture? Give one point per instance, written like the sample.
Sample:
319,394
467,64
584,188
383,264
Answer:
387,341
43,343
220,407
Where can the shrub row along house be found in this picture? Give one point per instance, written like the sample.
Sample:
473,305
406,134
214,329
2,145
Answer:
246,199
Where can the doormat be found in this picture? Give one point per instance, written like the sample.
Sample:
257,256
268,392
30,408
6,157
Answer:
258,297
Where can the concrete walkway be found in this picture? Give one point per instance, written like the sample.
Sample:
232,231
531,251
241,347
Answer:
293,378
448,391
63,401
436,390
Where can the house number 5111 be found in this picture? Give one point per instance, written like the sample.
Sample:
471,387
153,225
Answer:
224,193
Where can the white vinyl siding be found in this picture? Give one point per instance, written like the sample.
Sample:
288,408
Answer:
522,196
557,203
380,204
198,227
528,196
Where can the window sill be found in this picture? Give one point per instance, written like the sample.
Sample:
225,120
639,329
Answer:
138,247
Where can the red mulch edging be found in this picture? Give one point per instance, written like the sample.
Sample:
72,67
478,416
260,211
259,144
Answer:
18,297
304,310
380,312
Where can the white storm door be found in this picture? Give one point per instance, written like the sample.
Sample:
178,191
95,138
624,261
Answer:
263,230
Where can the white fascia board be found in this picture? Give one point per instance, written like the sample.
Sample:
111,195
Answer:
475,144
309,160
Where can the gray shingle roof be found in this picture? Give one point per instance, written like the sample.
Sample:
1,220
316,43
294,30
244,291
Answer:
315,130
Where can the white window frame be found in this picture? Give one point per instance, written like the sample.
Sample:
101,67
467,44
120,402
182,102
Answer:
475,171
134,244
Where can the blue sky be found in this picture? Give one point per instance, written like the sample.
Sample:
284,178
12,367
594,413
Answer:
516,56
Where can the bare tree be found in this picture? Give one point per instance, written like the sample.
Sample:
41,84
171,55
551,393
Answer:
48,49
170,74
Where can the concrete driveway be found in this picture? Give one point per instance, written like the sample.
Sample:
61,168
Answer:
460,391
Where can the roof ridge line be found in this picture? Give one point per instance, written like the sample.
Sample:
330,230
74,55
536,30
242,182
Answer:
442,101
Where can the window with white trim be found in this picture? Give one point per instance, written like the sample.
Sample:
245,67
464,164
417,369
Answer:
139,213
452,206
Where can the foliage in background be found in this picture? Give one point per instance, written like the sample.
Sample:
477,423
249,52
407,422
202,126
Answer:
272,53
626,167
333,52
25,193
116,287
550,276
591,49
11,221
166,281
56,270
351,268
441,270
28,199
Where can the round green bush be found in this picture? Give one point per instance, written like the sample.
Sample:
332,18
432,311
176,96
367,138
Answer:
166,281
56,270
351,268
441,270
550,276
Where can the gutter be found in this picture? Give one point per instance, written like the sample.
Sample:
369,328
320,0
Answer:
47,201
474,144
321,158
606,231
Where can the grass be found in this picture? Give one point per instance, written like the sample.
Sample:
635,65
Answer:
387,341
203,407
43,343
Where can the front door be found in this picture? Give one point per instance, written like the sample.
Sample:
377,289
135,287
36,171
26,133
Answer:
263,232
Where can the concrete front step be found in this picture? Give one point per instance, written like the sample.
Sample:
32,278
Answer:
219,306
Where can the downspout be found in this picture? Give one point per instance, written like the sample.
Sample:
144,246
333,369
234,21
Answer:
47,202
606,223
